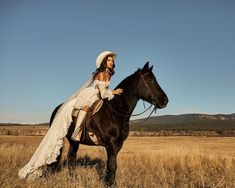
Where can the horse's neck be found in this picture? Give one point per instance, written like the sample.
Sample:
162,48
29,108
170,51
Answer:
126,102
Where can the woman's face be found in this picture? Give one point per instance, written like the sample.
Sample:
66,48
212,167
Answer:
110,62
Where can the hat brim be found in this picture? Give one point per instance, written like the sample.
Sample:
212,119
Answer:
103,55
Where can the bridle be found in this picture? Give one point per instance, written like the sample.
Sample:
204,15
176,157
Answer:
154,99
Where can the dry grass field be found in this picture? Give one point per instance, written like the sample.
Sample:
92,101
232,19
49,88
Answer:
143,162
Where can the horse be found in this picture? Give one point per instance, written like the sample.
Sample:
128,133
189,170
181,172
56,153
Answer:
111,122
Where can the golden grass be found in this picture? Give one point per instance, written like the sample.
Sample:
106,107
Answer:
142,162
24,130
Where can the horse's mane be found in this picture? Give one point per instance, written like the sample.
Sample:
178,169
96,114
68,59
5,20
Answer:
128,80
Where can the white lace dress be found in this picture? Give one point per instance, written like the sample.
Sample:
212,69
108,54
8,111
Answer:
89,95
50,146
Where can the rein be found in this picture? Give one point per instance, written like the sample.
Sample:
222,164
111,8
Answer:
127,115
153,98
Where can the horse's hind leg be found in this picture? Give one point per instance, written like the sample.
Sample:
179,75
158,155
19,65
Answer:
55,165
72,152
73,146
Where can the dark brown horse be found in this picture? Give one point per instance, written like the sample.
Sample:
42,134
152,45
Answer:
111,122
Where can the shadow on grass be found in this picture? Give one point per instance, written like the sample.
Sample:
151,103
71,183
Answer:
81,162
87,162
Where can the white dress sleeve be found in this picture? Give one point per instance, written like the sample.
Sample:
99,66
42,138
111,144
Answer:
104,91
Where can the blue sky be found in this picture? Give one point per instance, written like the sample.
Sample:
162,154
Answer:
48,50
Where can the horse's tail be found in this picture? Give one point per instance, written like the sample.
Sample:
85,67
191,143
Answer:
54,113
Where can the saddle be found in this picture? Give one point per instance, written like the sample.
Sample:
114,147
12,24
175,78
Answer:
88,134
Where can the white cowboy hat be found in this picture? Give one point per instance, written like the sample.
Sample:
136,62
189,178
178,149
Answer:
101,57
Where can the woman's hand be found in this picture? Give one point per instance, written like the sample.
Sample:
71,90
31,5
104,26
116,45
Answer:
118,91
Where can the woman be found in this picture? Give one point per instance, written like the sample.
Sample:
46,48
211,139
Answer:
105,69
81,101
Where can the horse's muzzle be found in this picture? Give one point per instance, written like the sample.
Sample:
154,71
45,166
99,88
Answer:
162,103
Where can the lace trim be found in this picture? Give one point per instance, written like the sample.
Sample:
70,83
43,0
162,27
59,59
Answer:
50,158
52,151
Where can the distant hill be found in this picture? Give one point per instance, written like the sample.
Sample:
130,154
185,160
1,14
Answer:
186,122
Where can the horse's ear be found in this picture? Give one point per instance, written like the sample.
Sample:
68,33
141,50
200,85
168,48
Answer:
151,68
146,67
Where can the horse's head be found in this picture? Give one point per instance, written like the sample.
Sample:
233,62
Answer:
148,88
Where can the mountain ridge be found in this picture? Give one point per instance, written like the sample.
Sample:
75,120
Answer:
186,122
186,117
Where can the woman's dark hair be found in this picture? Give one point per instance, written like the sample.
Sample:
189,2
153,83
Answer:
103,67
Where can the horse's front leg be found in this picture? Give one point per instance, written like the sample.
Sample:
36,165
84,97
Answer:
111,167
112,151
